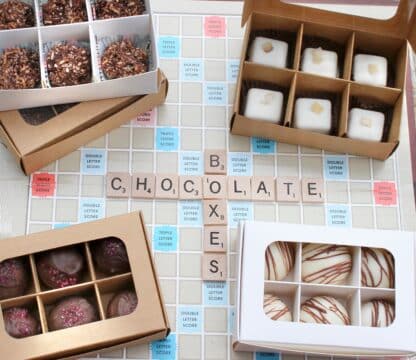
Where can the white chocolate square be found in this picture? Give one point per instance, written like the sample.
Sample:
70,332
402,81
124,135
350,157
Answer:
370,69
269,52
313,115
266,105
320,62
365,125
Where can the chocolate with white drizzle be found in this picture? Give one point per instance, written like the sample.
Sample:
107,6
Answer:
280,259
275,308
377,268
377,313
326,264
324,310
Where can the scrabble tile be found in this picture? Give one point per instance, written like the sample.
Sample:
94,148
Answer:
288,189
263,188
215,239
190,187
118,185
167,186
215,212
214,267
216,162
214,186
239,188
313,190
143,186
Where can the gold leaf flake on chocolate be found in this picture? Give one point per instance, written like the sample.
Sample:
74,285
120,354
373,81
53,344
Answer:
267,99
317,56
267,46
373,69
317,108
366,122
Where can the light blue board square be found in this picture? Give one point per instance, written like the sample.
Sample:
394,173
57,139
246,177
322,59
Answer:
91,209
189,319
93,161
165,238
233,67
263,146
191,163
215,293
164,349
338,215
215,93
190,213
239,210
336,167
167,139
169,47
267,356
240,164
61,225
192,70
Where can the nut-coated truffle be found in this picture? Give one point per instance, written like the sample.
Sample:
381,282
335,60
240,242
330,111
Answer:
111,256
61,267
19,322
70,312
14,278
122,303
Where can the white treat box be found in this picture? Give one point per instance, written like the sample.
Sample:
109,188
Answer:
254,331
91,33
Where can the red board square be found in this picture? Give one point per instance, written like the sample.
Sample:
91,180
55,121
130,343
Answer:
214,26
43,184
385,193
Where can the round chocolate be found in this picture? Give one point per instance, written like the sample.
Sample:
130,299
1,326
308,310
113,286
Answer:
60,267
55,12
111,256
275,308
108,9
324,310
280,258
122,303
377,313
70,312
326,264
20,323
15,14
14,278
122,58
377,268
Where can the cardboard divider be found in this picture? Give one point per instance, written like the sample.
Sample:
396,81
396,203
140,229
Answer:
286,292
42,315
298,263
312,86
384,100
34,272
90,262
349,55
345,107
395,50
101,309
334,39
355,279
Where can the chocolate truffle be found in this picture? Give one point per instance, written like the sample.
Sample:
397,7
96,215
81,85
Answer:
68,64
276,309
320,62
20,323
122,58
14,278
55,12
269,52
19,69
122,303
370,69
280,258
111,256
70,312
365,124
377,313
326,264
264,105
60,267
324,310
313,115
107,9
377,268
15,14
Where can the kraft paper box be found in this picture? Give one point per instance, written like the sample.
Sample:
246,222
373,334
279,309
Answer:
255,331
36,144
146,323
95,35
304,27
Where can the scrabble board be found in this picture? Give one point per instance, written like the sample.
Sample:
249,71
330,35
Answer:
200,55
